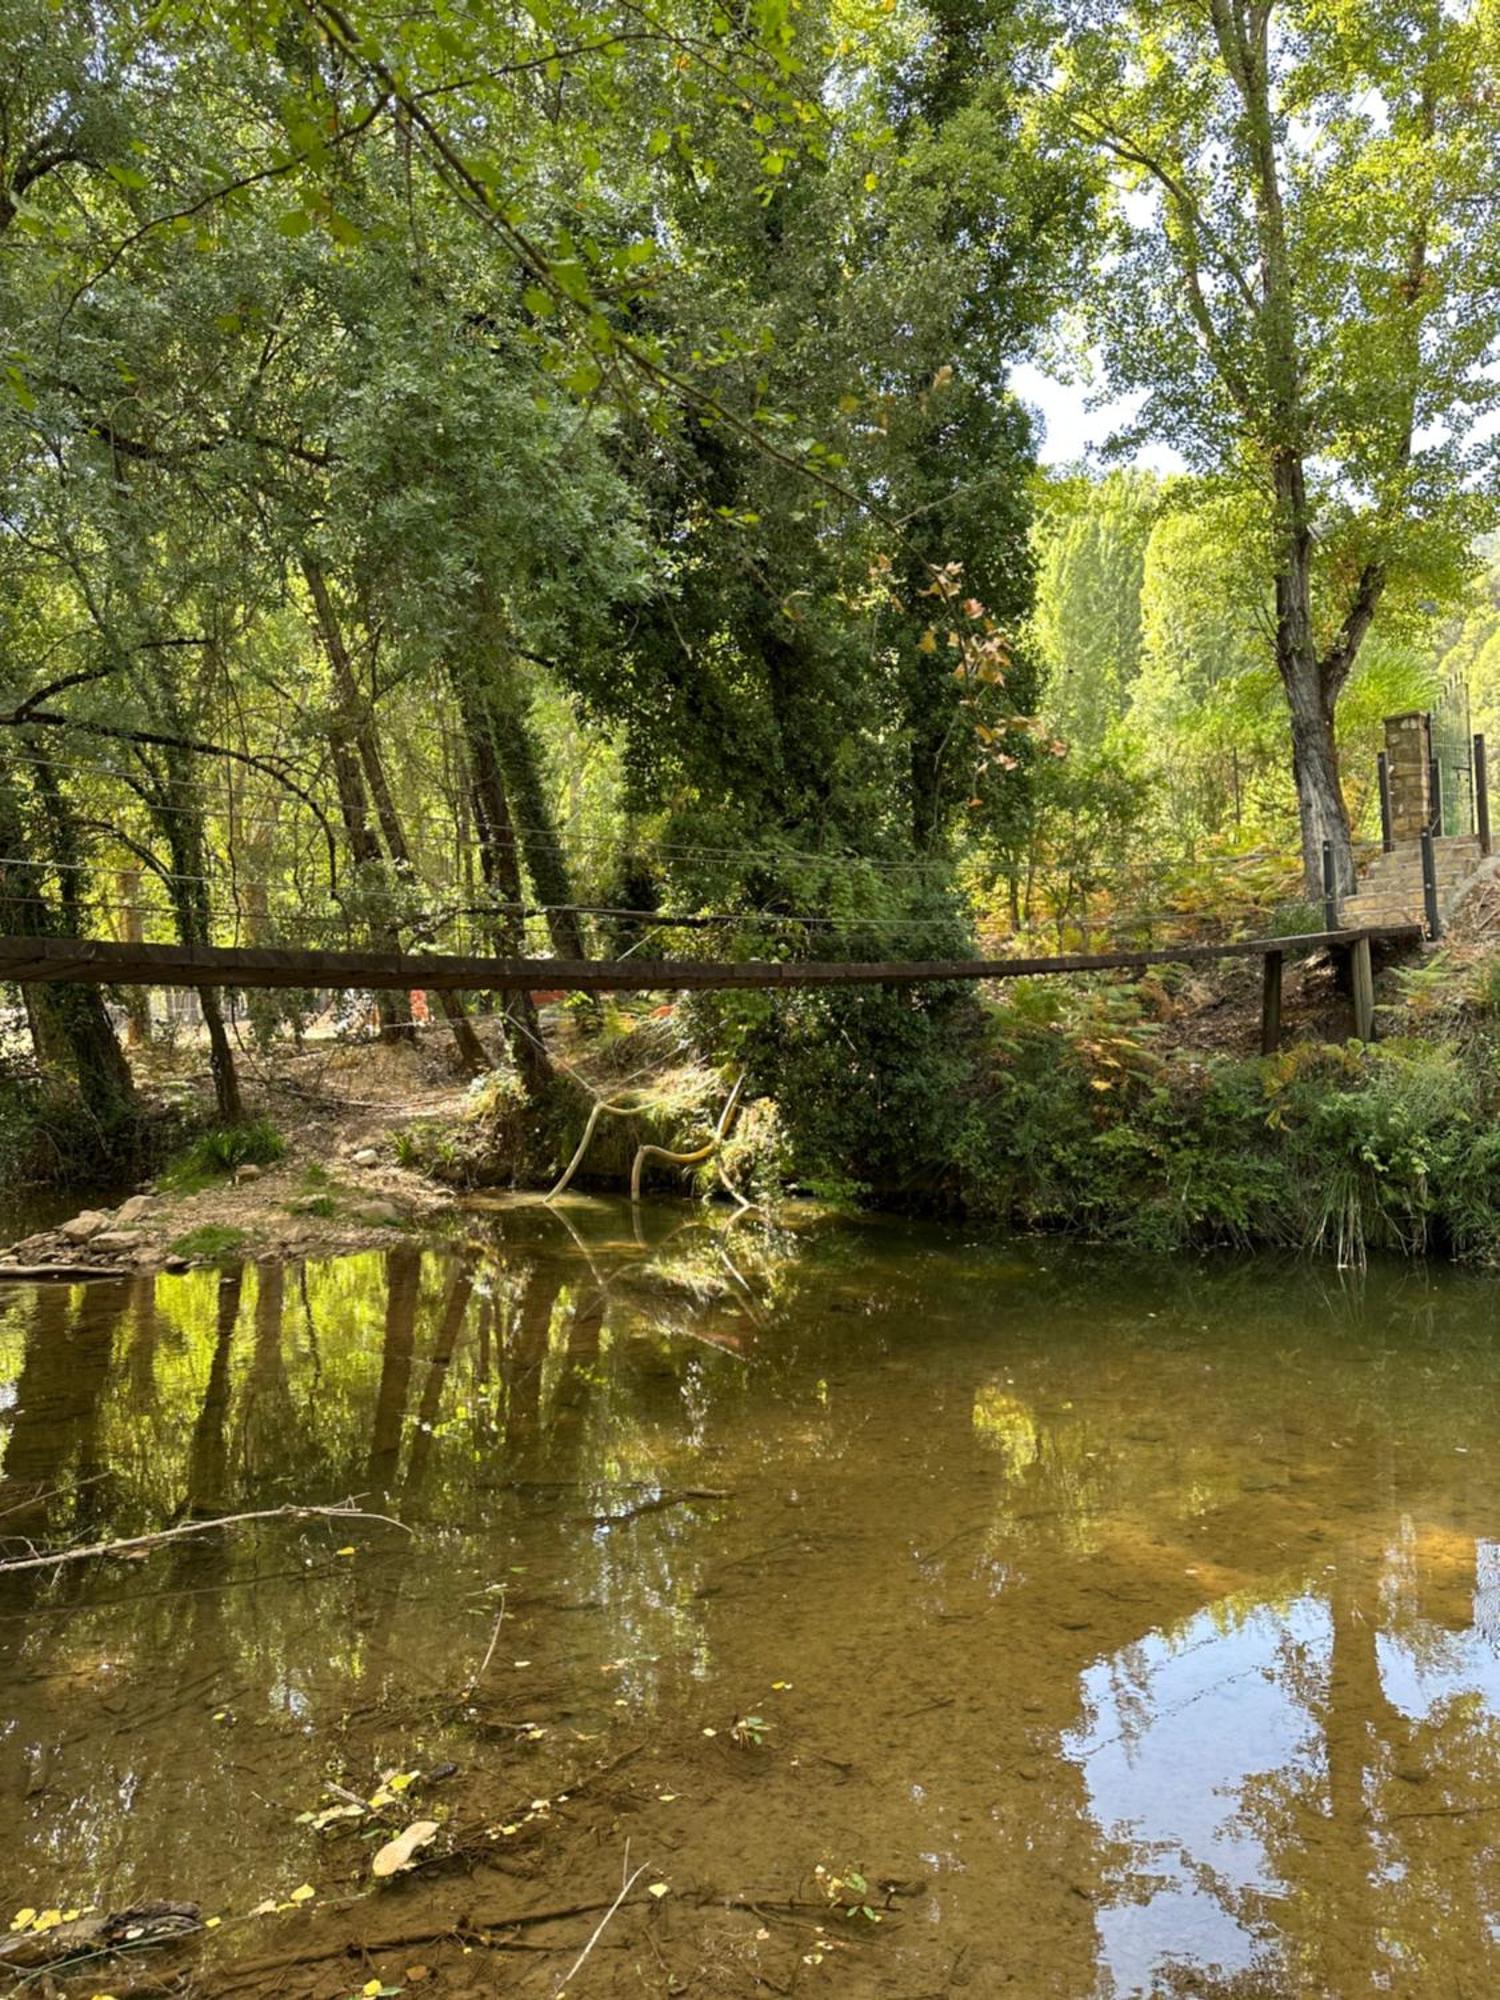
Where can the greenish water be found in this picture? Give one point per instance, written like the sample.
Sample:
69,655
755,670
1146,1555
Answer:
1145,1615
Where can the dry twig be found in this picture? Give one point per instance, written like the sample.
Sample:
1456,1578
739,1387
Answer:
343,1512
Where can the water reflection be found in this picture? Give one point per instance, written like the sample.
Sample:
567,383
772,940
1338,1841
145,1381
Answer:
1152,1617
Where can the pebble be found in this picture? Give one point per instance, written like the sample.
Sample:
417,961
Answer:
130,1212
246,1173
366,1157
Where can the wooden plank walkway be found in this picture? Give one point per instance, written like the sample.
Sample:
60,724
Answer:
90,961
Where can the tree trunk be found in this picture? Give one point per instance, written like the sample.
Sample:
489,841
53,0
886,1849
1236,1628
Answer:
500,866
392,1010
358,723
173,803
504,710
1311,691
137,999
64,1017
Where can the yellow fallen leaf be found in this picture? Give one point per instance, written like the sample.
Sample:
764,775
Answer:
47,1921
266,1908
349,1552
658,1889
666,1797
212,1923
305,1894
399,1781
370,1988
22,1918
780,1685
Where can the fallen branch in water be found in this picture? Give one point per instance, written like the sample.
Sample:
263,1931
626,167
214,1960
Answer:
484,1664
599,1110
678,1498
465,1929
128,1543
627,1883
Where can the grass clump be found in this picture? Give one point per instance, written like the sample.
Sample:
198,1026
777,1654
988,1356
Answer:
210,1243
215,1154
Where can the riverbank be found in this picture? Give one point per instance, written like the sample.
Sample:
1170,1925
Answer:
1127,1111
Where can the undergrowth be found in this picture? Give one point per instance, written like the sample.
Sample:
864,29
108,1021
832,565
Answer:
1059,1110
215,1154
50,1137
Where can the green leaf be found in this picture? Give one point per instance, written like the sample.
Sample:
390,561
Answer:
536,301
20,388
294,222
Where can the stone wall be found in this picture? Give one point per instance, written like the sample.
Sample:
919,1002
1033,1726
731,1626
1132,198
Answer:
1408,753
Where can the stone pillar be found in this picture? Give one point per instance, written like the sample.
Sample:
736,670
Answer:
1408,751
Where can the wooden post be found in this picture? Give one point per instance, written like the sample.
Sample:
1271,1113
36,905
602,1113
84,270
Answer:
1330,890
1481,796
1364,990
1270,1003
1429,886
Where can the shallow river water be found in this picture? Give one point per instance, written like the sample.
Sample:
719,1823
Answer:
1139,1621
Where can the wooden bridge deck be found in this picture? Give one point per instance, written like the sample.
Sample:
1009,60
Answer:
30,960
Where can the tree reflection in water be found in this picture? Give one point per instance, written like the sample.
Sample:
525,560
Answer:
1150,1615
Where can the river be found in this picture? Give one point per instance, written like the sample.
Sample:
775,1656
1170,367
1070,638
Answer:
1136,1620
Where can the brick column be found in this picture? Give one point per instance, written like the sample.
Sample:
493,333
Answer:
1408,751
